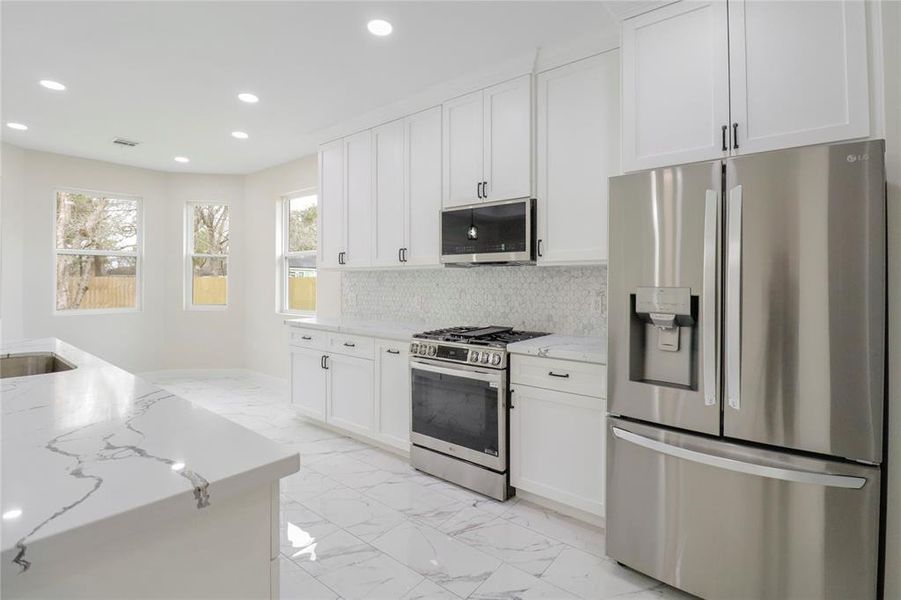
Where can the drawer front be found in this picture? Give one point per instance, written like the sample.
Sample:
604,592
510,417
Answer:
309,338
561,375
351,345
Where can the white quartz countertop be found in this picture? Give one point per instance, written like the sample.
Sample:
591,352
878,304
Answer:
391,330
567,347
90,445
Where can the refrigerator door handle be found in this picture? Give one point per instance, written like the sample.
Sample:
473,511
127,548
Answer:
708,304
739,466
733,299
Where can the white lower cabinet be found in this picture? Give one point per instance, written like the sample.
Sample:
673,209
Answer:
309,382
356,383
393,393
557,445
350,393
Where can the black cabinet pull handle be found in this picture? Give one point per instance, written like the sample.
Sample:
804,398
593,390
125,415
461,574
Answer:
725,129
561,375
400,255
341,258
350,344
479,189
392,351
305,337
484,189
323,362
735,135
539,247
405,254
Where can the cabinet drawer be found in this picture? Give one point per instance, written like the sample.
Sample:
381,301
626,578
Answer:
351,345
561,375
309,338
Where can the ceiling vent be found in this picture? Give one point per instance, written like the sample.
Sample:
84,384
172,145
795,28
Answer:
124,142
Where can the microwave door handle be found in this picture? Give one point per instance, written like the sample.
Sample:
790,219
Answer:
458,372
708,302
740,466
733,300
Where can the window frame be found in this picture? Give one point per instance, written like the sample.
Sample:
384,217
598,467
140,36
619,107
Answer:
284,238
190,255
138,253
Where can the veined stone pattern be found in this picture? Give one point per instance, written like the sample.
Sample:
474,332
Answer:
565,300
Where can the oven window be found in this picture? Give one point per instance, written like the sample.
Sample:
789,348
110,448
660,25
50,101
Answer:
484,230
457,410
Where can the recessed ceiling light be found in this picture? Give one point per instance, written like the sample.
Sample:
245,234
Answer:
379,27
17,126
241,135
52,85
182,159
12,514
248,98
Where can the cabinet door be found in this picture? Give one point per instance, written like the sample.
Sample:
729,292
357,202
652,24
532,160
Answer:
557,446
331,203
358,181
388,212
508,140
350,394
308,382
798,73
675,82
393,394
578,149
463,147
423,192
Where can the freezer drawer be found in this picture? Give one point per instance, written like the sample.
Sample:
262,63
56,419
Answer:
723,520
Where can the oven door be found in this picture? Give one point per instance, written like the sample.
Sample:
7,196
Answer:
460,411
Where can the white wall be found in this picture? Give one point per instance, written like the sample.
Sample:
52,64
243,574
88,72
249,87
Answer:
161,335
265,336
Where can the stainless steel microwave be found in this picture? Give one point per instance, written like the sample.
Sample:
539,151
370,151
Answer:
489,233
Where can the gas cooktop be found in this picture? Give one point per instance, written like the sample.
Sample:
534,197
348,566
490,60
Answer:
493,336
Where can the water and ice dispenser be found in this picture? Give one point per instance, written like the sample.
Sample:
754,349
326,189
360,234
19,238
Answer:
663,337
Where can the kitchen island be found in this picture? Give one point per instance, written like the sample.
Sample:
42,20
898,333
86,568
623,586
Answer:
112,487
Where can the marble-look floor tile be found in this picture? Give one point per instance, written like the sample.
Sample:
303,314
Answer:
361,515
509,583
662,592
300,529
466,519
415,501
449,563
576,533
356,570
307,483
515,545
594,578
297,584
474,499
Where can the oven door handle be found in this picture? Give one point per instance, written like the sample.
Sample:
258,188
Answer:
464,373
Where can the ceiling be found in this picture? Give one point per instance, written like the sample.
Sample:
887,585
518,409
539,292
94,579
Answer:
167,74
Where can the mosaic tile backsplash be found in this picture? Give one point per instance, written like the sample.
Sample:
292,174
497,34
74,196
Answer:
564,300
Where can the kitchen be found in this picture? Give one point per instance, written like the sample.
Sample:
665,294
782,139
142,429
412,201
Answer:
436,299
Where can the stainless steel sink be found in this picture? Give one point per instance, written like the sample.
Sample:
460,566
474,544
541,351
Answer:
32,363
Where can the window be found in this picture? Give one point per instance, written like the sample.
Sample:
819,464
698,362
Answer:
299,239
98,243
207,256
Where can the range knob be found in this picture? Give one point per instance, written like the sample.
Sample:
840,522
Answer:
414,347
422,350
433,350
474,356
484,358
496,359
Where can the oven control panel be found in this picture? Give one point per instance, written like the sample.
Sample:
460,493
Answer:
486,357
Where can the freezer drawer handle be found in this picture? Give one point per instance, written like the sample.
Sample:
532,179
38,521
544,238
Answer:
733,301
708,304
730,464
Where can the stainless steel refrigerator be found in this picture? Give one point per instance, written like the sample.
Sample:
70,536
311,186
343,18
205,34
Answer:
746,373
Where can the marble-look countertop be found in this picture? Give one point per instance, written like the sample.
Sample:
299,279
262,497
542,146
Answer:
88,446
567,347
389,330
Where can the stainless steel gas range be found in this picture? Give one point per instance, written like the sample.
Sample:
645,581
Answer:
460,386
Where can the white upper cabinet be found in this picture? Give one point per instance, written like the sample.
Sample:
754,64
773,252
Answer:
675,79
508,140
358,203
488,144
798,73
423,187
463,149
699,84
388,213
331,199
578,148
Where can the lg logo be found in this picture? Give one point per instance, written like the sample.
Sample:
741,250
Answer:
853,158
